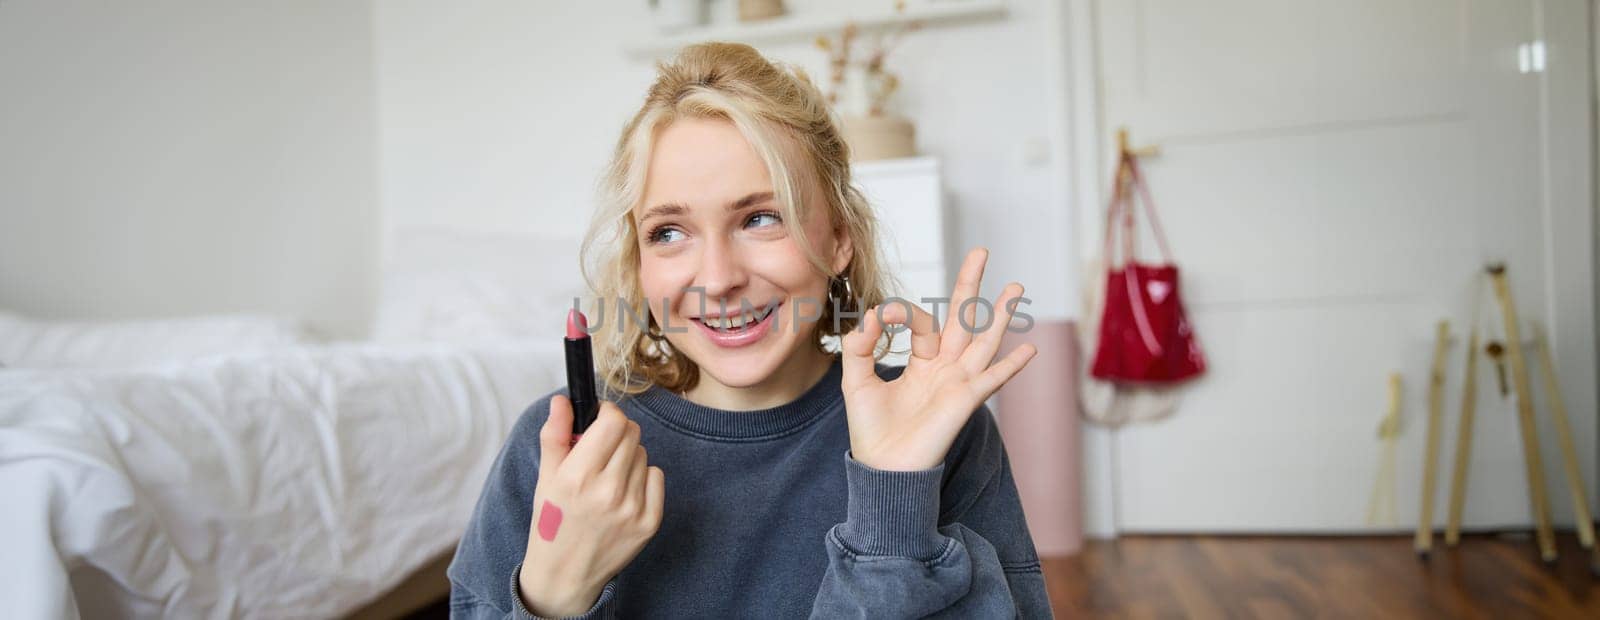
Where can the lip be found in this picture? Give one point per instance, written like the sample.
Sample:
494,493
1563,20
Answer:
742,338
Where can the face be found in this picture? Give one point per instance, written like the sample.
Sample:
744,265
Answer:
709,222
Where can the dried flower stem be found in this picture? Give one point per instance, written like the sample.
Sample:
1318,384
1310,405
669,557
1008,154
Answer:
881,83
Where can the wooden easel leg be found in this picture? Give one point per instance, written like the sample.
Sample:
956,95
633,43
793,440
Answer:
1530,432
1458,479
1430,464
1380,509
1569,454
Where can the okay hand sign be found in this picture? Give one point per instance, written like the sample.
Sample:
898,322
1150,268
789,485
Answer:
910,423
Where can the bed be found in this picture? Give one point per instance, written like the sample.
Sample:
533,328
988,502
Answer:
276,476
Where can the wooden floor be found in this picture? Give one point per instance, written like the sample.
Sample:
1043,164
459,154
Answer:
1325,577
1344,577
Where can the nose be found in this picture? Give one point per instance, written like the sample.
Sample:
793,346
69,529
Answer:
721,273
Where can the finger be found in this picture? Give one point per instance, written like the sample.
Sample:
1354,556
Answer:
634,488
638,474
555,437
859,365
622,457
600,441
984,347
962,314
655,491
924,335
1002,371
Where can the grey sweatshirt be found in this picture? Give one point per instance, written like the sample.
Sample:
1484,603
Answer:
767,515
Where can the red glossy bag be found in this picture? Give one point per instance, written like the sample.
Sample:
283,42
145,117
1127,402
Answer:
1145,335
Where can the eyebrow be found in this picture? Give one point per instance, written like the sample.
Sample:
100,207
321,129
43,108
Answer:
673,208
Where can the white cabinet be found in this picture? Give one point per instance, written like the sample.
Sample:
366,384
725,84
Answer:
908,198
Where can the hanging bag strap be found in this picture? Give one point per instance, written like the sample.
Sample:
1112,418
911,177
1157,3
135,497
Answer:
1129,180
1149,208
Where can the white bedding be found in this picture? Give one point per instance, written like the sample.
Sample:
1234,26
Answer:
293,483
32,343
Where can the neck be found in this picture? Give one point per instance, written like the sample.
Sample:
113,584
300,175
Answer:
792,378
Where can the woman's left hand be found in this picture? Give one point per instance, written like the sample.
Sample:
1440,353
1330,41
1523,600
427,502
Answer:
909,424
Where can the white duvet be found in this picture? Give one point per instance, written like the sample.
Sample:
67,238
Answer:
288,484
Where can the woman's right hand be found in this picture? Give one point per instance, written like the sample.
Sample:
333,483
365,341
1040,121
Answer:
596,506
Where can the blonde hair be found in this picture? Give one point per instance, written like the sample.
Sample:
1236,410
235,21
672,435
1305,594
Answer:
788,123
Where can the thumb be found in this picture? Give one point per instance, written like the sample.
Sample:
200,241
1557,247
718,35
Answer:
555,439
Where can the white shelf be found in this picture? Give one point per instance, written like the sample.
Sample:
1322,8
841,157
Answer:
795,27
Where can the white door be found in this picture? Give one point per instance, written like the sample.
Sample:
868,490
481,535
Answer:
1333,178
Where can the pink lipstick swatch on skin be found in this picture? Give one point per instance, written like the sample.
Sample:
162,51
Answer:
549,520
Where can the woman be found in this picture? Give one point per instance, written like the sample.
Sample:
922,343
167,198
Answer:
782,479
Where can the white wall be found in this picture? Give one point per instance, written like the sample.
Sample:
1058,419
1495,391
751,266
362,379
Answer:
169,158
498,116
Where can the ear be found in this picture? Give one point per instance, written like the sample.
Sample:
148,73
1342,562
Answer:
843,250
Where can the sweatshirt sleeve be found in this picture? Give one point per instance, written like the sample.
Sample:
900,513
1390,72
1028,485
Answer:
483,574
950,541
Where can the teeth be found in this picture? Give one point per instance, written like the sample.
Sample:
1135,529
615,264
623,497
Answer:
734,322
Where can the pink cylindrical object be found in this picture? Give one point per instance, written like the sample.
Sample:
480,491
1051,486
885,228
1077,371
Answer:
1037,412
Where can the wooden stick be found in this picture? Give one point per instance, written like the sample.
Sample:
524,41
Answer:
1458,480
1383,487
1430,464
1530,431
1569,454
1436,382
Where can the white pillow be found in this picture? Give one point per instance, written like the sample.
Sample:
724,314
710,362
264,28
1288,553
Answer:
33,343
452,286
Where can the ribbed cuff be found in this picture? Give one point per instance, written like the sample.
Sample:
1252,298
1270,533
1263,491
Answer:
602,607
892,513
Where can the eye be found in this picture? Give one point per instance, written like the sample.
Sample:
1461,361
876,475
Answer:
663,234
763,219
